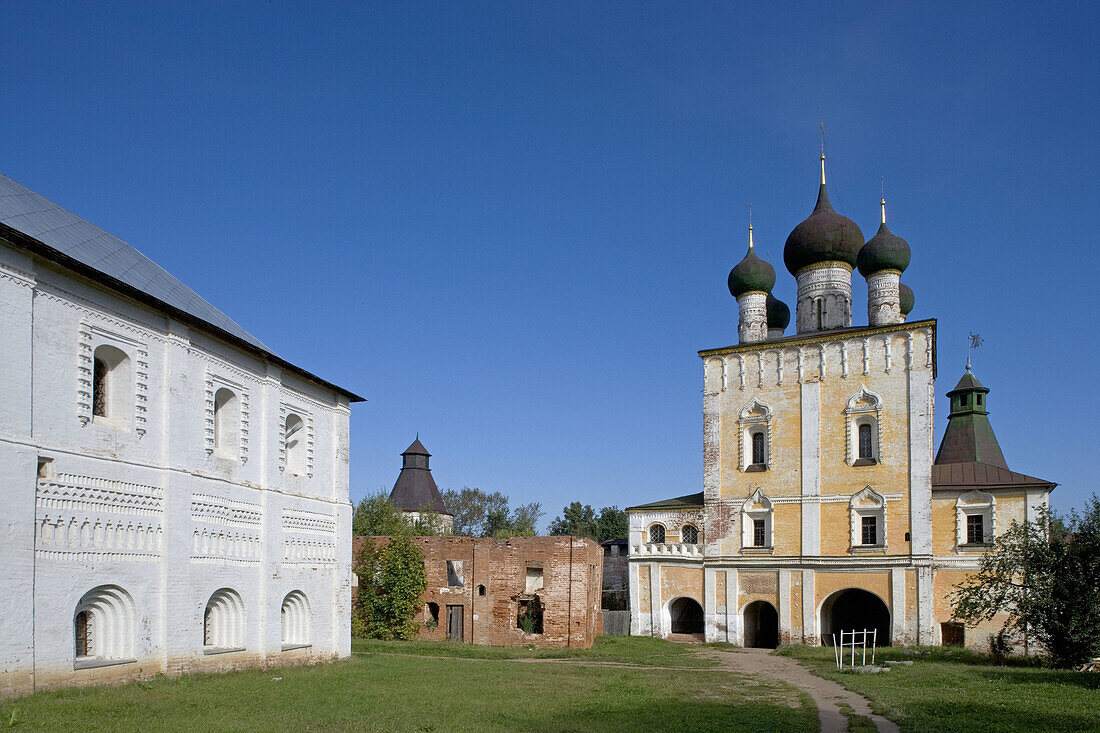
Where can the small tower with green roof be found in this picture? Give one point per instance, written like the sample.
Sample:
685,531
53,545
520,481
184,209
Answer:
751,281
969,437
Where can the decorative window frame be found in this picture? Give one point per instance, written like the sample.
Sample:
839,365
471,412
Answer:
137,352
757,506
975,502
112,622
867,503
754,415
214,382
307,417
296,620
863,408
649,533
226,629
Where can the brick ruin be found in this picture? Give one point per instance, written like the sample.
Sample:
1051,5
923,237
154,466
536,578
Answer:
485,590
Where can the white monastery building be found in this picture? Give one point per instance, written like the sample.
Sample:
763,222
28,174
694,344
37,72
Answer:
822,509
173,495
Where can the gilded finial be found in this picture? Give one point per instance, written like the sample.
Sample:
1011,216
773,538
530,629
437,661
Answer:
882,181
750,226
822,125
883,202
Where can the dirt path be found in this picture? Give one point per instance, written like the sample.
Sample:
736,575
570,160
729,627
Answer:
825,693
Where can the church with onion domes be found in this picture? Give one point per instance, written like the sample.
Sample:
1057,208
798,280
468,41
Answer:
822,509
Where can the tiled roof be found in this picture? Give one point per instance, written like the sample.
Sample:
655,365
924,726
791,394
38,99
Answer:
688,501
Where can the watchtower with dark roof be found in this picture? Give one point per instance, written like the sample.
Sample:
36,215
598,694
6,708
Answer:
415,491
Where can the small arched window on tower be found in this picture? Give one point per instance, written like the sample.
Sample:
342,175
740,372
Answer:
755,425
294,436
863,418
226,421
657,534
111,388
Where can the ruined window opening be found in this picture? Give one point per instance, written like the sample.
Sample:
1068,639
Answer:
433,615
689,535
534,578
870,530
975,529
454,574
759,533
530,615
481,590
82,645
657,534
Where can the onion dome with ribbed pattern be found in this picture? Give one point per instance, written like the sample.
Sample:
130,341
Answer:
825,236
905,295
779,315
751,274
884,251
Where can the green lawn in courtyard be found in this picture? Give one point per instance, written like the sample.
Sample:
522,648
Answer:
955,690
437,688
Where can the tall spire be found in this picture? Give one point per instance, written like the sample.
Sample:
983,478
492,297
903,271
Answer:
750,225
883,203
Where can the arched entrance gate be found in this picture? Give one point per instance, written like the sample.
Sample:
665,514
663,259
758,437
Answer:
687,616
854,609
761,625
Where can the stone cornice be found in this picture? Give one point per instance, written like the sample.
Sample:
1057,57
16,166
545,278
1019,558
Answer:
823,337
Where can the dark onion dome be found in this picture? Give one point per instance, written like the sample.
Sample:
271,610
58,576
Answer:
825,236
751,274
907,300
779,315
884,251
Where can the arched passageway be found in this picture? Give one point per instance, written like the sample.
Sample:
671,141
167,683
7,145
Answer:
854,609
687,616
761,625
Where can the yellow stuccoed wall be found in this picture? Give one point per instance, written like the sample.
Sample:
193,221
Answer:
681,581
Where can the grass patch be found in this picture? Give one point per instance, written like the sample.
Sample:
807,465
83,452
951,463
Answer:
385,691
621,649
960,690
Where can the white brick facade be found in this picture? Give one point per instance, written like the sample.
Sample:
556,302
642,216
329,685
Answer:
137,515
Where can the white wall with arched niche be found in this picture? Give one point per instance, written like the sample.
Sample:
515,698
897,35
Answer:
104,627
297,621
223,622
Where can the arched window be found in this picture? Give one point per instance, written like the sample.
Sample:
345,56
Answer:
223,622
111,386
865,449
862,418
103,627
295,438
657,534
296,619
689,534
755,429
226,422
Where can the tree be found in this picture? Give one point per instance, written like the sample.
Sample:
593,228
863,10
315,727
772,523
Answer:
480,514
376,516
391,579
1045,577
582,521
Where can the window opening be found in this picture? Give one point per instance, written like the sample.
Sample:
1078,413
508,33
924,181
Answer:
689,535
952,634
433,615
529,616
99,388
481,590
454,573
82,645
534,578
657,534
978,399
758,456
225,421
865,446
975,529
759,535
870,530
295,445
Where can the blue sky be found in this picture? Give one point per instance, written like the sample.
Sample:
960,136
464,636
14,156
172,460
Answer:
509,225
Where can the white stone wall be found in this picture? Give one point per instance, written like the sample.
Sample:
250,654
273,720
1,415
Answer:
144,502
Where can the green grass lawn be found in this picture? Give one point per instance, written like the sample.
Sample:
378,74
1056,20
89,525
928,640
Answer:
955,690
438,687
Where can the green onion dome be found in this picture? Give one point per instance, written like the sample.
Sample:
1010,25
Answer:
906,296
884,251
751,274
825,236
779,315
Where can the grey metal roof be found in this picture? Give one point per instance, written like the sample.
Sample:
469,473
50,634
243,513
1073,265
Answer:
36,216
79,244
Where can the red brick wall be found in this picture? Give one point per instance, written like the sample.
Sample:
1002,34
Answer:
572,579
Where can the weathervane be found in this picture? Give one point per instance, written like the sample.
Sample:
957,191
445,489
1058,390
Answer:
975,342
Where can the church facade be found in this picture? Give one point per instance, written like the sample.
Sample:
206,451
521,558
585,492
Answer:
173,495
822,508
